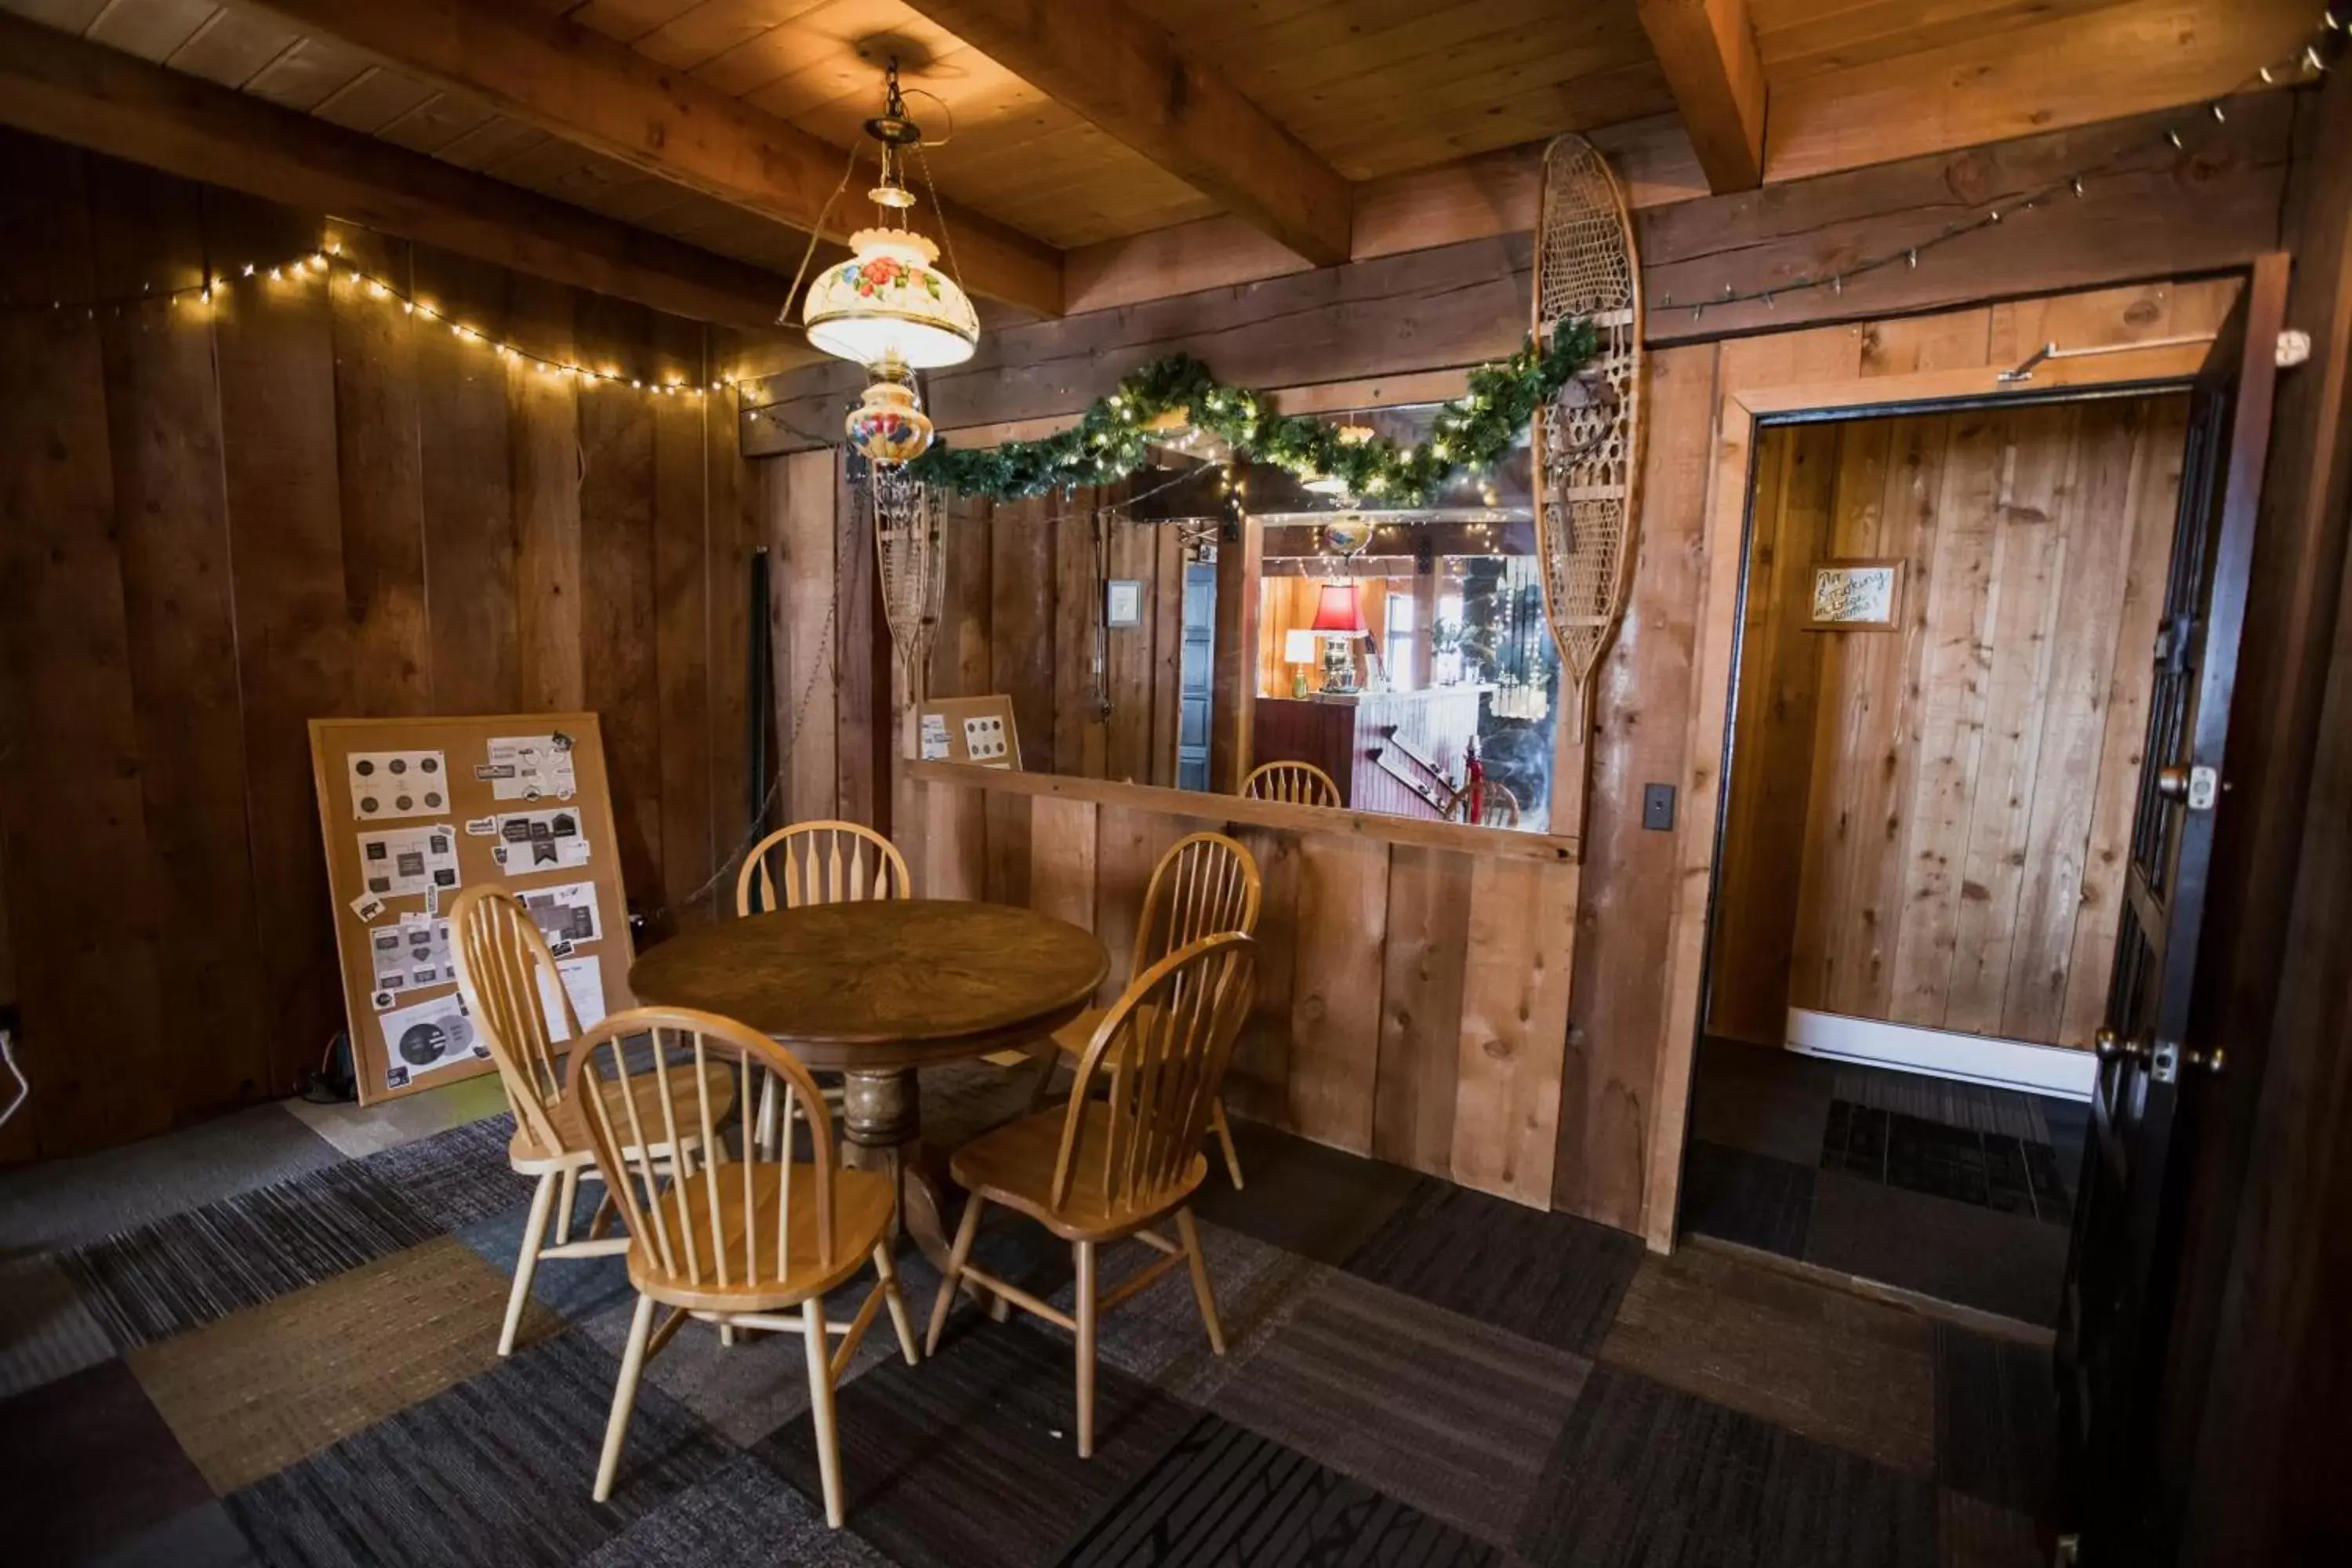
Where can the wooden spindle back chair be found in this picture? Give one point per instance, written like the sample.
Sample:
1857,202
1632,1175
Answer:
1205,883
515,994
1295,784
728,1234
820,863
1111,1165
1500,808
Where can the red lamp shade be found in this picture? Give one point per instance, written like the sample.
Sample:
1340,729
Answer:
1336,610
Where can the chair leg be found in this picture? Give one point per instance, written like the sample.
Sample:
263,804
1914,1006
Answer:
534,1233
828,1436
957,1257
900,1319
1086,1255
1225,1139
602,1220
1200,1291
625,1396
1049,1061
565,1200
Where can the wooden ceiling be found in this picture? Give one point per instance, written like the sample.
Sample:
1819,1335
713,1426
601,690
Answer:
1365,89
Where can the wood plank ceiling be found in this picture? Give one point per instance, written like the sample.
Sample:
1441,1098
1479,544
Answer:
1373,87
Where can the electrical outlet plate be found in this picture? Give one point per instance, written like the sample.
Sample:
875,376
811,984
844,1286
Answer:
1658,807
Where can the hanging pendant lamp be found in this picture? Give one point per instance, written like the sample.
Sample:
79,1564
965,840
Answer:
891,306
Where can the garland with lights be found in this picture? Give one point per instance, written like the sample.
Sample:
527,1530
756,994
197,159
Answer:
1112,439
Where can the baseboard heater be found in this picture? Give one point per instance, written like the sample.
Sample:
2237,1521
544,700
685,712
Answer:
1941,1053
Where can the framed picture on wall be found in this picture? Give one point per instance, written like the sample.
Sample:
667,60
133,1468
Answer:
1123,601
1854,594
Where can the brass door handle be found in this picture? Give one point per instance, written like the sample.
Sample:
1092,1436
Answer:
2172,783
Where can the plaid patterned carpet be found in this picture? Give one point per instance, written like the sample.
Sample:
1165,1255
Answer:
303,1372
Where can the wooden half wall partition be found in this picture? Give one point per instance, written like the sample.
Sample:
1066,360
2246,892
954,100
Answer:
1412,976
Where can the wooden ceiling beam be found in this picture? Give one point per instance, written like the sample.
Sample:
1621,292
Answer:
54,85
600,94
1128,76
1707,49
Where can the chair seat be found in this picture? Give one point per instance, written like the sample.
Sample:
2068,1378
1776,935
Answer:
1013,1165
685,1111
863,1202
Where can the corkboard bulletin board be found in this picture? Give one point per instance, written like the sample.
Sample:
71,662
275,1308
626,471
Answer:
413,810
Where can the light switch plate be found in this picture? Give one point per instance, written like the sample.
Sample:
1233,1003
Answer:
1658,807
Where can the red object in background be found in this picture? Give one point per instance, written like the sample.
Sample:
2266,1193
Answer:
1337,609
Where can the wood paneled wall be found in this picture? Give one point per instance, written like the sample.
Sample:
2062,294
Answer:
1929,826
1412,996
1018,615
220,523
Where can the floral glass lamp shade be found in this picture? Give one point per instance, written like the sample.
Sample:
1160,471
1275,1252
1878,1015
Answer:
889,304
1340,620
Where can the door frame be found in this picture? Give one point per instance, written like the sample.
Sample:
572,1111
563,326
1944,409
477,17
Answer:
1768,381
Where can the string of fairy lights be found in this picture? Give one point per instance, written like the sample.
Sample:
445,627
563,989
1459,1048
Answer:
2310,63
327,260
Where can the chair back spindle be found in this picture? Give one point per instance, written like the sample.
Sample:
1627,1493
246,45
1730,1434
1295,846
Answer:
1159,1057
1206,883
820,863
710,1215
506,976
1294,784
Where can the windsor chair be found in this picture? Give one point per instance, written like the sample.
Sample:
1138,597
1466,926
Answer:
822,862
1112,1164
1204,884
734,1241
515,994
1295,784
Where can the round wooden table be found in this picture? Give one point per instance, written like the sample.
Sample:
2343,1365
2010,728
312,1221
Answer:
875,990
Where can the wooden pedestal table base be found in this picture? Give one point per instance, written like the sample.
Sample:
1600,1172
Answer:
877,990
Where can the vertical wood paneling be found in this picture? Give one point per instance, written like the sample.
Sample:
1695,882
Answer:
1640,712
1080,738
163,421
2029,572
953,857
682,622
1127,747
616,589
543,429
76,841
303,502
1520,950
803,563
730,530
1960,857
1062,859
2156,492
1165,611
961,662
1128,846
381,474
863,660
1257,1084
469,521
274,354
1335,1008
1421,1006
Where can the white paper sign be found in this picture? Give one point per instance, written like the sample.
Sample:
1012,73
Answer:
428,1037
584,983
528,767
935,737
397,784
403,861
532,841
565,914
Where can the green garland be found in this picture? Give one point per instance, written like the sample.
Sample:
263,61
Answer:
1110,439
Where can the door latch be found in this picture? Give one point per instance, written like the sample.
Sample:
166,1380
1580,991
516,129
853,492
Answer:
2294,348
2198,787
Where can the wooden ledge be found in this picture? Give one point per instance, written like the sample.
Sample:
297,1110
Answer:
1492,843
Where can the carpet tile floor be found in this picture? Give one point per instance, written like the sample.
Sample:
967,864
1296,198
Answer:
1950,1189
297,1366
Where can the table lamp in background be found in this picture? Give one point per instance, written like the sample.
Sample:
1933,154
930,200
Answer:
1338,621
1298,652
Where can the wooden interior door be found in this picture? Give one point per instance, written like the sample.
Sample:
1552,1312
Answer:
2130,1215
